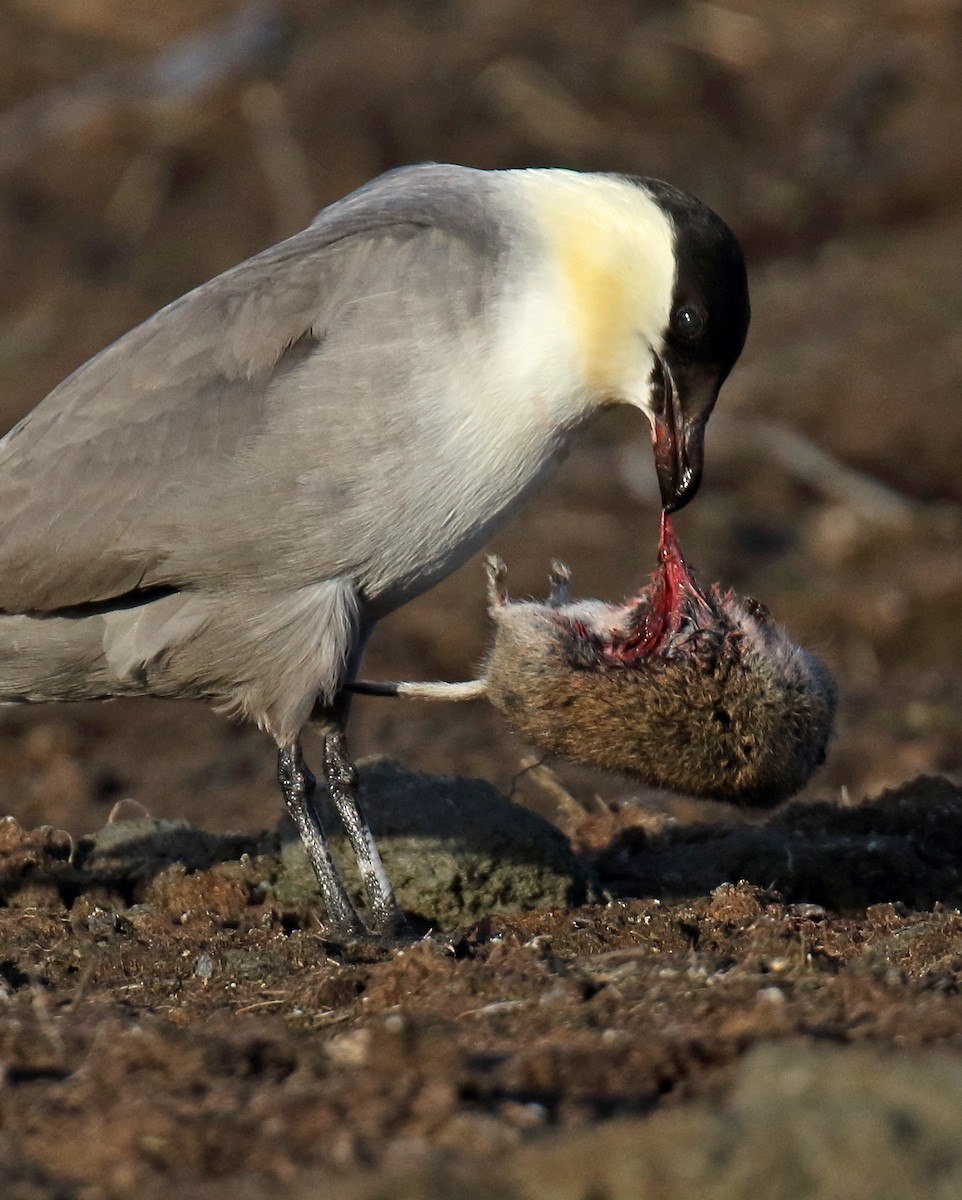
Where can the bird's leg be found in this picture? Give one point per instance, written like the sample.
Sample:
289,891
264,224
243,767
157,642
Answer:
298,783
341,778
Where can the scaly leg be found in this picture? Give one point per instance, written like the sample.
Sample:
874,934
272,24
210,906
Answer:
340,776
297,784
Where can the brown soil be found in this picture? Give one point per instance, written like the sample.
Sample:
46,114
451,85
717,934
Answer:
623,1016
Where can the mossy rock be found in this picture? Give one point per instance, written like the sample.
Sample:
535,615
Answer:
455,849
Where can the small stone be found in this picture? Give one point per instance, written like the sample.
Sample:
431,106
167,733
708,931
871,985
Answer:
11,835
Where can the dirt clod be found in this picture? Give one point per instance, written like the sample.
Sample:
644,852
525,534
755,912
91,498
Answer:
158,984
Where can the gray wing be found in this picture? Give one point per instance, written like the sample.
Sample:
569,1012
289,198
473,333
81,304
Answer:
176,457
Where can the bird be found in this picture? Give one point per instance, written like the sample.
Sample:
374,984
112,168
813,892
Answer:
694,691
223,503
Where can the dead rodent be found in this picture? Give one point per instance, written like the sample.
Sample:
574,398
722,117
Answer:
699,693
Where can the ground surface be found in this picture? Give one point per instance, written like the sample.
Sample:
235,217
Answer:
653,1023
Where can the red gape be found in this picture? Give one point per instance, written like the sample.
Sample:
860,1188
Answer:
657,612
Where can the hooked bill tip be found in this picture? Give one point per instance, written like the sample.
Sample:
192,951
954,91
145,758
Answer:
680,488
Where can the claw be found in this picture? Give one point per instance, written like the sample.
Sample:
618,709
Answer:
497,580
758,610
560,580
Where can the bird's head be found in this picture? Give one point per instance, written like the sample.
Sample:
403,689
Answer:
657,298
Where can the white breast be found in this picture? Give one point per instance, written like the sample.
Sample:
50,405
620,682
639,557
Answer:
507,402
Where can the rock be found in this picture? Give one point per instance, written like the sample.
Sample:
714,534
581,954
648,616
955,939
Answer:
905,845
455,849
803,1121
130,848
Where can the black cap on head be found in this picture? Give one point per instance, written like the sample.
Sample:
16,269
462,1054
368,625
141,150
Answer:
706,331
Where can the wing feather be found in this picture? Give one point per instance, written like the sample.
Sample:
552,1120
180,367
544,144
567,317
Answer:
176,456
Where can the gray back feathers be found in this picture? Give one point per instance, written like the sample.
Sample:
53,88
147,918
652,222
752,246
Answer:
182,455
217,504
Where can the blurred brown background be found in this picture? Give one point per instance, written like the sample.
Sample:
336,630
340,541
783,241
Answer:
145,147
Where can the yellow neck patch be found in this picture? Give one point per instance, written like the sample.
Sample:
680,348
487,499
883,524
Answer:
612,250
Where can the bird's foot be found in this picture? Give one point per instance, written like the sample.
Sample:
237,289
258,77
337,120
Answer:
372,947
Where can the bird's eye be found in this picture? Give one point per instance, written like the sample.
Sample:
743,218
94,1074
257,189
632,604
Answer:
689,322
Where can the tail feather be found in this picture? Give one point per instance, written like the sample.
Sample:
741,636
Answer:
53,658
267,657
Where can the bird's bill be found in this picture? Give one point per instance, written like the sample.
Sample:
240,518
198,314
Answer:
678,442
